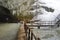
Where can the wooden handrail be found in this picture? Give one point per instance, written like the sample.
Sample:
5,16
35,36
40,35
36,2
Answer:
29,33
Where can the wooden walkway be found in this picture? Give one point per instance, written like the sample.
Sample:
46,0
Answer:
25,33
21,33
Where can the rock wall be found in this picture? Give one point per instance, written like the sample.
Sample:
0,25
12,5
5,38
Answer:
16,6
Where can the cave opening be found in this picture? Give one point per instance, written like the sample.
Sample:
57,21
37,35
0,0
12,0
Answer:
6,15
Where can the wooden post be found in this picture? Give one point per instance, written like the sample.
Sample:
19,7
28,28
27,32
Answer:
25,28
38,27
38,38
29,35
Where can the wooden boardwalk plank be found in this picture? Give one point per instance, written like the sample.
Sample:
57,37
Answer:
21,33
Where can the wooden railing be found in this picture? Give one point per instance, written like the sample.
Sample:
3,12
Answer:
29,33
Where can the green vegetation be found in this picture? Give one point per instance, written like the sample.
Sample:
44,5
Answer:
25,3
25,17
